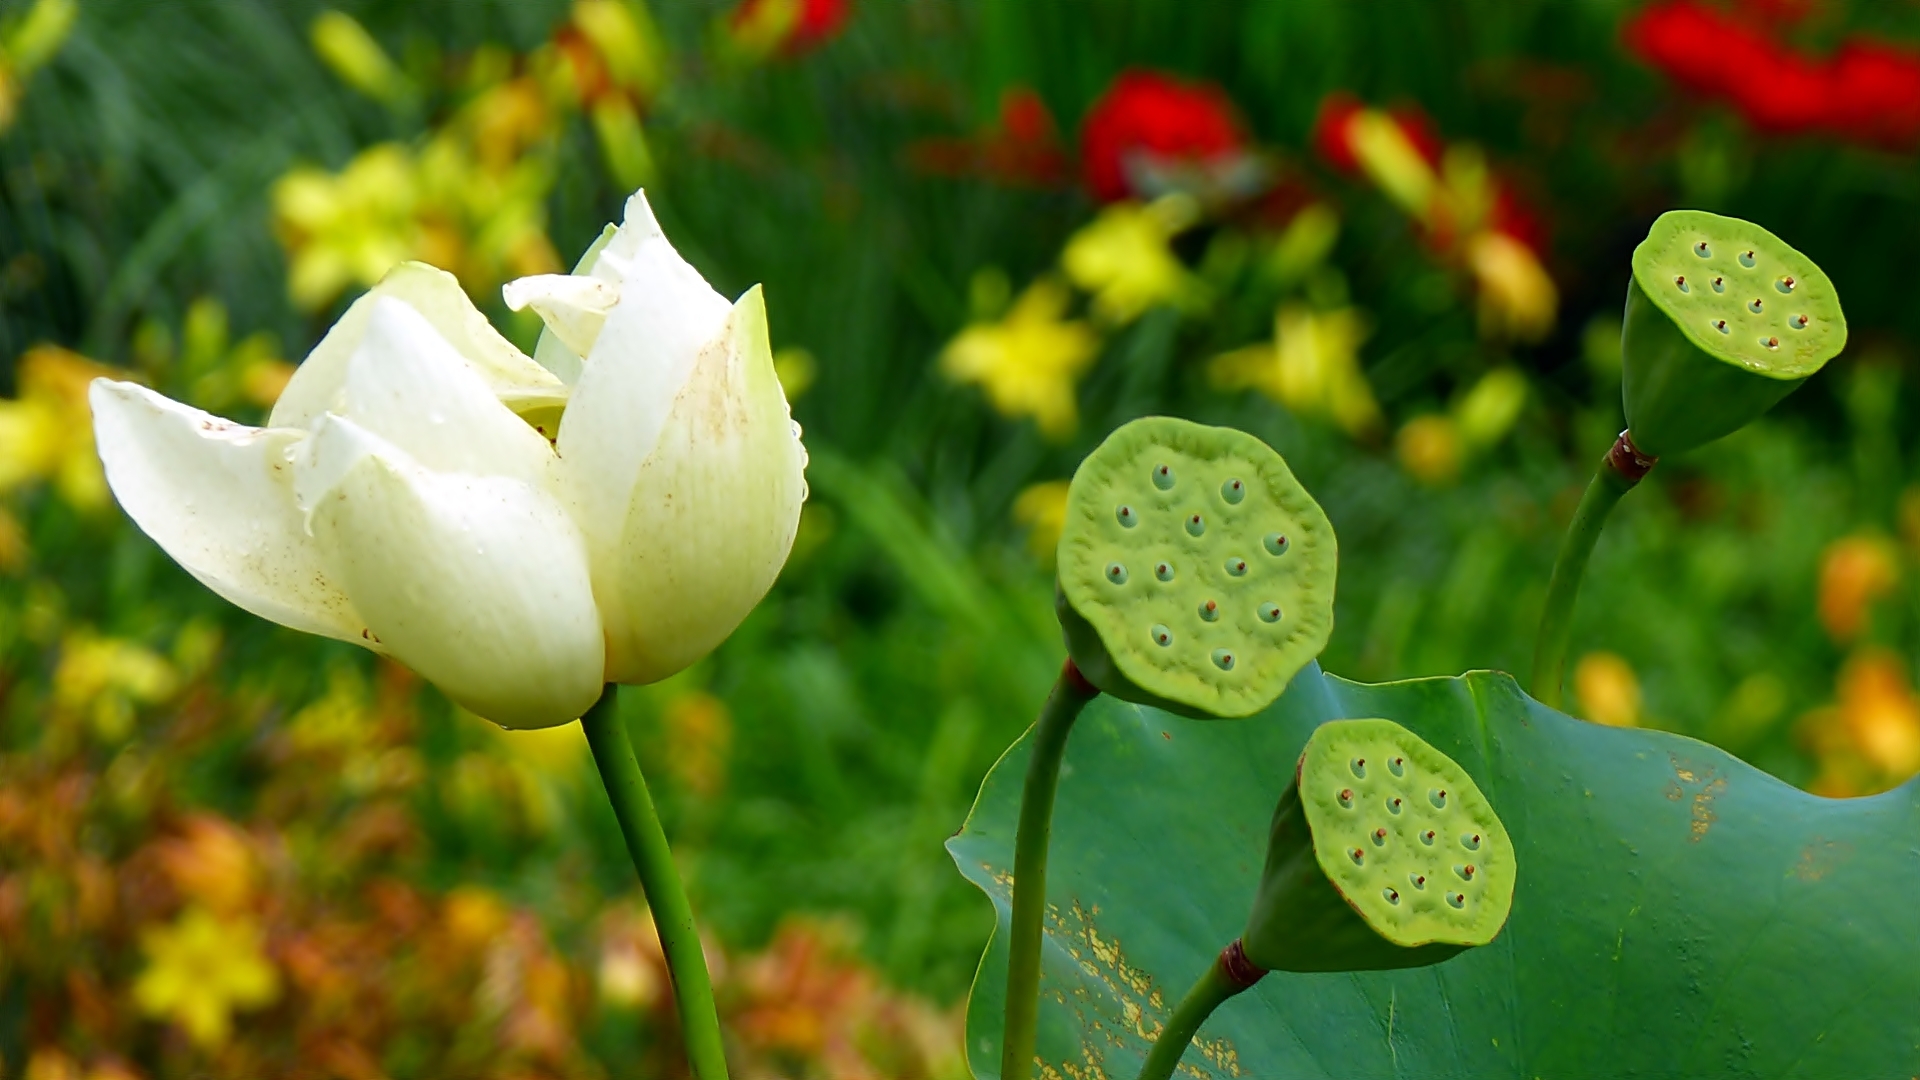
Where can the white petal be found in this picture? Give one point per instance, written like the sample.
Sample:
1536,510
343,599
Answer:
478,583
515,379
666,318
550,352
218,498
574,308
407,385
700,532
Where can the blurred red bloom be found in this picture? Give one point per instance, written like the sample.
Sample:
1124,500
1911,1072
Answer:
1022,147
794,26
1868,91
1333,131
1146,114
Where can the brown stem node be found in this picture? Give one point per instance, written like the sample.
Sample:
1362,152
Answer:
1239,970
1627,460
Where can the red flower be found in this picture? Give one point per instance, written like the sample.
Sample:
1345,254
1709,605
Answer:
798,25
1146,113
1876,94
1023,146
1868,92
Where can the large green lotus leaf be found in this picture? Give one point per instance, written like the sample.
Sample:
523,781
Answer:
1678,912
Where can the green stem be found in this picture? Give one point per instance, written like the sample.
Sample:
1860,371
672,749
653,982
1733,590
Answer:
1619,471
660,882
1071,692
1224,978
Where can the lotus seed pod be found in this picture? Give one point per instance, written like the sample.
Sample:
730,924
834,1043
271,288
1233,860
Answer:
1383,854
1723,320
1195,573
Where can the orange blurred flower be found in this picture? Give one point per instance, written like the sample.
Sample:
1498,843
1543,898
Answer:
1854,572
1870,739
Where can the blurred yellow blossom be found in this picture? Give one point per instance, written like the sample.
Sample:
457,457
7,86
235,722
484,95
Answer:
1607,689
1124,258
46,433
1029,361
1305,243
215,372
201,970
1854,572
1042,508
27,42
1390,159
699,736
1869,740
1488,410
554,750
1312,366
471,199
103,678
347,228
796,369
632,970
346,47
473,917
1429,449
1518,299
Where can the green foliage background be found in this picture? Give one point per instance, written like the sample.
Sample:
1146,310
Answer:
911,637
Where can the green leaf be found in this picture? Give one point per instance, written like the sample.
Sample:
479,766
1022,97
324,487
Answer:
1678,912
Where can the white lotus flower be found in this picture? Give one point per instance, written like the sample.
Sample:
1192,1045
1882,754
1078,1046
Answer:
406,496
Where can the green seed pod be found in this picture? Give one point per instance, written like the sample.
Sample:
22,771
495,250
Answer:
1195,573
1723,320
1383,854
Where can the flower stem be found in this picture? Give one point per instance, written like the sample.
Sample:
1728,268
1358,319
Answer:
1225,977
660,882
1619,471
1071,692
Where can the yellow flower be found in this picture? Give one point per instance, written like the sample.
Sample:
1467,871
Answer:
201,970
348,228
1607,689
1312,367
1392,161
27,42
104,678
1854,572
1042,508
1518,299
1488,410
1429,449
47,432
346,47
1030,361
472,200
1123,258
